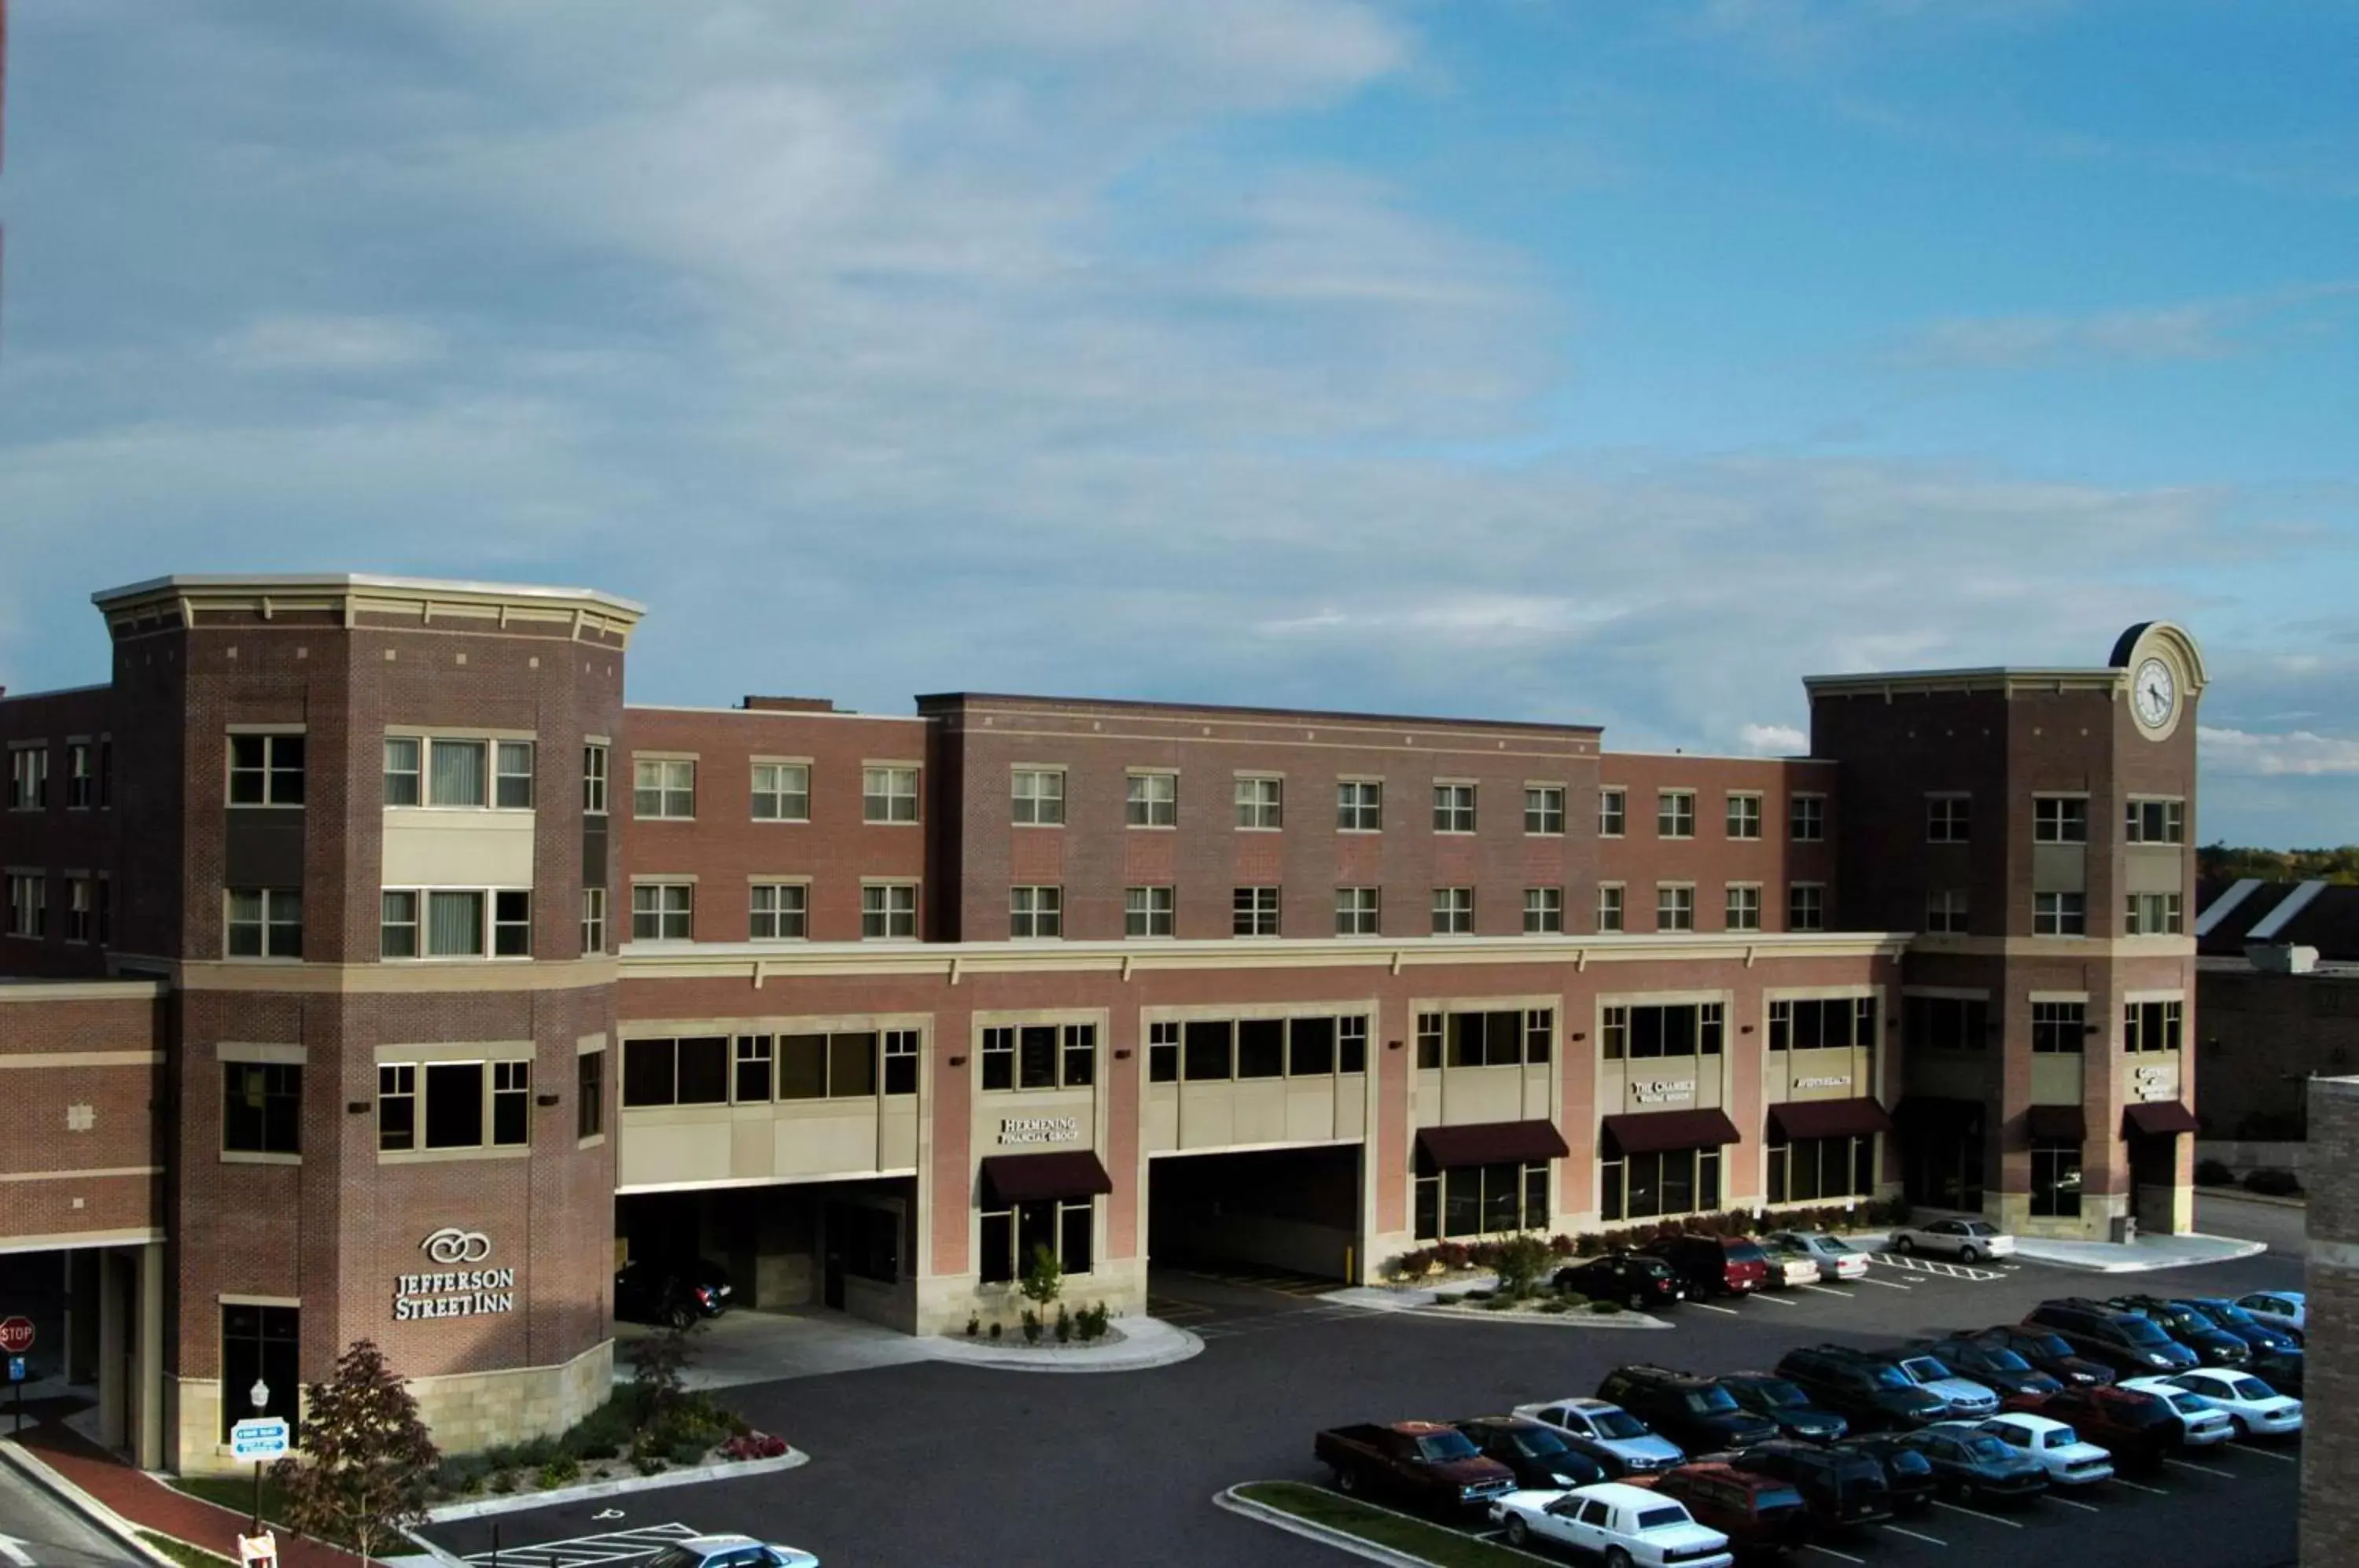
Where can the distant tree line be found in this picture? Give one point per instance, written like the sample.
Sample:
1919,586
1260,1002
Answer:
2226,863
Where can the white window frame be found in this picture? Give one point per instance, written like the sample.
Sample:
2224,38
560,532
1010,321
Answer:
82,775
29,905
1453,807
788,791
780,893
889,794
1796,893
661,902
490,924
1543,912
1813,819
593,922
28,776
1453,912
1675,906
1544,804
1035,912
1147,911
2173,809
2053,919
1254,907
273,899
1359,911
1675,813
1146,807
1948,911
1037,798
597,770
1741,907
1745,813
1949,817
1260,803
2049,819
1613,811
271,771
2154,914
1359,805
885,905
671,783
1613,902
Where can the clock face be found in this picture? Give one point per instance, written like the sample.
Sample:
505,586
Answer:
2153,693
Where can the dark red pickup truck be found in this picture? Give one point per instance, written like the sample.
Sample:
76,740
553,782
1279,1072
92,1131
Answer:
1420,1461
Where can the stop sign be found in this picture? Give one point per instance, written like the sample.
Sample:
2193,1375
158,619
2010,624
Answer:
15,1335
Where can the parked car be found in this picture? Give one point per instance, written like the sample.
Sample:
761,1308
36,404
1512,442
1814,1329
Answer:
1632,1278
1692,1412
2128,1344
1973,1466
1960,1397
2279,1308
2254,1408
1870,1395
646,1291
1759,1514
1419,1462
730,1552
1841,1489
2070,1461
2047,1352
1968,1241
2200,1425
2212,1345
1908,1474
1995,1367
1836,1258
2138,1430
1607,1434
1789,1266
1714,1264
1767,1395
1625,1525
1538,1455
2277,1358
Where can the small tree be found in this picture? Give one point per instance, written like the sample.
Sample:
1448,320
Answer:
1043,1279
1520,1263
659,1364
367,1457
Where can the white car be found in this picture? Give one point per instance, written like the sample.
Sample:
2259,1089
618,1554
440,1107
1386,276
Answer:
1789,1267
1630,1527
1968,1241
1836,1258
2200,1425
1961,1396
2278,1308
2070,1461
2254,1409
730,1552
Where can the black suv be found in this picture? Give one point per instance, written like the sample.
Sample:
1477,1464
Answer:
1694,1413
1995,1367
1871,1395
2046,1353
1841,1489
2126,1342
1771,1396
1539,1454
1906,1472
2214,1345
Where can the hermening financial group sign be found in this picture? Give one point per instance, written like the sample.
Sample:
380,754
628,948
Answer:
459,1294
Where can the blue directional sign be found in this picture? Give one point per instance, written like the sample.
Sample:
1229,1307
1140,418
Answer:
16,1369
258,1439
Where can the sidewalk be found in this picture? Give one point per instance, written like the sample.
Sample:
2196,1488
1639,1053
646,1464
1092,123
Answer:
768,1347
1145,1342
2146,1253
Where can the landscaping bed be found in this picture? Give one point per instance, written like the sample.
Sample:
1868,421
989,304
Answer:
625,1437
1542,1301
1378,1527
1438,1264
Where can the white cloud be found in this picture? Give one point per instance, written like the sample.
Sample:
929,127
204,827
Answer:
2193,329
331,343
2297,753
1774,740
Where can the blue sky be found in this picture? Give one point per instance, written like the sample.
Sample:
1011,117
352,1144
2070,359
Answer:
1572,360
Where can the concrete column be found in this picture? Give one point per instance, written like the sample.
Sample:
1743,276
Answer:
81,1359
147,1360
112,1341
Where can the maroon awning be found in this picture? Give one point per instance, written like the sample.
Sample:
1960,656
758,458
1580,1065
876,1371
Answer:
1861,1117
1664,1130
1033,1178
2056,1124
1488,1143
2157,1119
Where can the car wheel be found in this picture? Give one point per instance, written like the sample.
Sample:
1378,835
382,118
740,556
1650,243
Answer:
1965,1491
1637,1302
1616,1558
682,1317
2238,1430
1968,1254
1902,1244
1519,1534
1347,1481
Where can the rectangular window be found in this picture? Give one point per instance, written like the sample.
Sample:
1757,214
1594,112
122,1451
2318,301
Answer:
1609,915
776,912
1543,912
1359,806
750,1075
781,793
901,1061
266,923
1744,816
1007,1239
1612,810
2152,914
1040,1056
589,1094
1352,1044
1453,807
1945,912
1481,1200
1647,1186
1806,819
2060,914
1037,797
2156,821
593,922
1806,907
663,788
512,775
2059,1028
1147,911
888,794
2150,1026
263,770
512,922
1675,813
28,779
650,1071
1261,803
1641,1033
405,775
1430,1029
454,924
2056,1181
1210,1051
663,911
81,777
802,1066
1742,911
511,1103
1813,1170
1544,810
1453,912
454,1103
1358,911
593,780
1078,1057
1035,912
1505,1039
1674,907
1949,819
261,1345
1817,1024
396,1106
262,1107
888,911
1163,1053
1252,911
1153,801
456,773
1945,1023
2060,819
81,908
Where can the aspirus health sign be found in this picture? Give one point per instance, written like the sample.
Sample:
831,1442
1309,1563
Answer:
458,1292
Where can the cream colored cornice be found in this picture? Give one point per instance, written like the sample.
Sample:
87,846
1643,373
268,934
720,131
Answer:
141,606
45,991
2070,947
392,979
954,961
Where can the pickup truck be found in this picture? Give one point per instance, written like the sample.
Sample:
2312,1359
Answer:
1420,1462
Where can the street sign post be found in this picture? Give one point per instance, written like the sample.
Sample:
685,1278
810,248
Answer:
15,1338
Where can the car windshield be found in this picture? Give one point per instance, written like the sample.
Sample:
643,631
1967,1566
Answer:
2186,1404
2252,1389
1833,1246
2063,1437
1663,1517
674,1557
1745,1252
1539,1445
2230,1312
1616,1425
1780,1396
1885,1377
1710,1401
2138,1331
2005,1361
1982,1447
2047,1344
1445,1445
1978,1228
1770,1497
1925,1369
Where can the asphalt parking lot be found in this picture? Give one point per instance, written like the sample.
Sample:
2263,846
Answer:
930,1464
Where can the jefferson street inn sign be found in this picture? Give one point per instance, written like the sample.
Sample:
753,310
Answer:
459,1293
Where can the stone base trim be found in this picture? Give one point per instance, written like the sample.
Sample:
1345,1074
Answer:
726,1470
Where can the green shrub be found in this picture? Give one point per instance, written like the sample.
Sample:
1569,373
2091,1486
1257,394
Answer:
1064,1326
2272,1182
2213,1173
994,1332
652,1465
1519,1262
1604,1307
1572,1298
1090,1322
686,1453
1031,1327
1448,1298
503,1481
561,1471
1498,1303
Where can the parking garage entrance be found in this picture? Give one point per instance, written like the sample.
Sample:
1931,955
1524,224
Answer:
1291,1209
847,1246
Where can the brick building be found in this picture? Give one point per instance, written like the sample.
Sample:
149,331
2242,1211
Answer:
382,974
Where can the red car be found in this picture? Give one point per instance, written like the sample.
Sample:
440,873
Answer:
1758,1513
1714,1264
2138,1430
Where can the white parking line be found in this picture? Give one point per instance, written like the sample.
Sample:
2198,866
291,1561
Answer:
1930,1540
2264,1453
1977,1513
1887,1284
1822,1290
2135,1487
2201,1469
1708,1306
2067,1502
1778,1300
1833,1553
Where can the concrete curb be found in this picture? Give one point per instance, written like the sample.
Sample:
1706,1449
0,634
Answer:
693,1475
1163,1345
2240,1249
1545,1319
2238,1195
82,1503
1263,1513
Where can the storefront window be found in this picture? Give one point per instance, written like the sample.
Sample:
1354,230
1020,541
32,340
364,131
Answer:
1040,1056
1481,1200
259,1342
1066,1228
2056,1181
1809,1169
1674,1181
